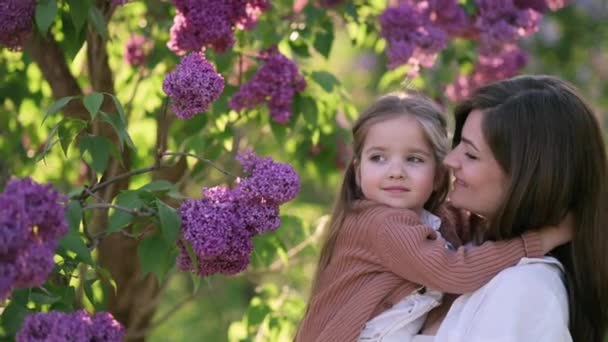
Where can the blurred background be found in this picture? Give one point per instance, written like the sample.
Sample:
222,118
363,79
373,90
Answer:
340,51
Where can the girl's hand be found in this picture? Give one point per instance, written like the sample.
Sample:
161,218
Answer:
553,236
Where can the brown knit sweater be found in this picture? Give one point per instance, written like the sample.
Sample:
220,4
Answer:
384,254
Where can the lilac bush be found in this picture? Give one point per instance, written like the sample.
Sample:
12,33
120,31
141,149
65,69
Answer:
220,226
32,220
275,84
16,22
199,24
193,86
77,326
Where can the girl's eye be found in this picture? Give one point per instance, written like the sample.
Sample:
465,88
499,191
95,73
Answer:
377,158
415,159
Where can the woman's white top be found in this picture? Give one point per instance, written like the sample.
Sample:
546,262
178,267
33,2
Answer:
527,302
403,321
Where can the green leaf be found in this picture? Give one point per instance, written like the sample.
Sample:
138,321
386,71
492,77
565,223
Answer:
326,80
279,131
120,128
68,130
119,107
73,241
96,17
92,103
43,298
107,276
74,215
128,199
170,222
257,311
96,151
196,280
155,256
307,106
15,312
62,102
158,185
78,12
325,39
50,143
46,10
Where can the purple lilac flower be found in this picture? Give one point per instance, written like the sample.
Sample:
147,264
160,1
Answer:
32,219
135,50
45,208
541,5
105,328
77,326
220,226
245,13
412,35
489,68
274,84
271,182
16,22
210,23
501,22
216,231
446,14
193,86
200,24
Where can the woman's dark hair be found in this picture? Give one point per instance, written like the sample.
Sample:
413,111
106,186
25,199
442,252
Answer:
549,143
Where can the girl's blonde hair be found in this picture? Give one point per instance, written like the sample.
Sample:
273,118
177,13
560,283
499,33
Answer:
387,107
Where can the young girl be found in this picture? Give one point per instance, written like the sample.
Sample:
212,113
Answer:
384,263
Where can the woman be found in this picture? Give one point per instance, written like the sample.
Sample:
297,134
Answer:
527,151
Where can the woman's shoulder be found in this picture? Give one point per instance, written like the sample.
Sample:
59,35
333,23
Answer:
533,277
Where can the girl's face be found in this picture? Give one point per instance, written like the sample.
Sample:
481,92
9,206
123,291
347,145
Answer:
397,165
479,181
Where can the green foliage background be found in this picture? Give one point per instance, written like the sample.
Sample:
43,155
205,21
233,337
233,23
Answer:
341,56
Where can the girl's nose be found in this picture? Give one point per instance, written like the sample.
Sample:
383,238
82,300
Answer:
396,171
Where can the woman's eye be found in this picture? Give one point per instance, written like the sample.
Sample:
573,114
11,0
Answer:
470,156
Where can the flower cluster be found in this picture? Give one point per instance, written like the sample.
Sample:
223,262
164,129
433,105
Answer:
32,219
16,22
489,68
501,22
77,326
220,226
416,31
210,23
275,83
193,86
135,50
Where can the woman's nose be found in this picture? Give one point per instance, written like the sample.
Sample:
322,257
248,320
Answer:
451,160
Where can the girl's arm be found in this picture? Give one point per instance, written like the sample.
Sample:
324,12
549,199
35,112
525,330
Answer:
414,252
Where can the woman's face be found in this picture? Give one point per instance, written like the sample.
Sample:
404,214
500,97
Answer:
479,181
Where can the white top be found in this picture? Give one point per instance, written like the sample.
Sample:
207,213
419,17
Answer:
527,302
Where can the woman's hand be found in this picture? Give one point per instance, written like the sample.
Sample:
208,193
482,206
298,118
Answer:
553,236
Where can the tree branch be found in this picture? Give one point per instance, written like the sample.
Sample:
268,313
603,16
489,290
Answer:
206,161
